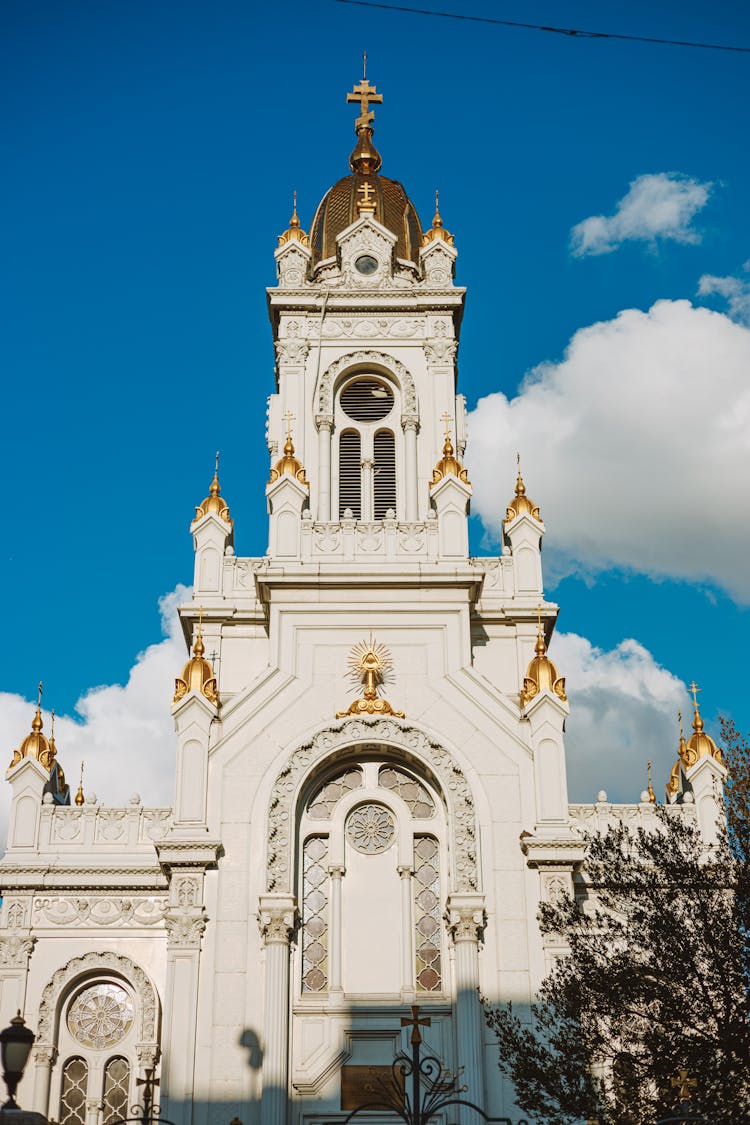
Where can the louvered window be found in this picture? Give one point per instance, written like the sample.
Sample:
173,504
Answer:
385,473
350,474
366,400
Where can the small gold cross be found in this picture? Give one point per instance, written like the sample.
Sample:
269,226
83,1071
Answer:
414,1023
288,418
367,191
684,1084
446,420
694,689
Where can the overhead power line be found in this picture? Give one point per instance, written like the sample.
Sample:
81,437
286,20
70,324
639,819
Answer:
572,32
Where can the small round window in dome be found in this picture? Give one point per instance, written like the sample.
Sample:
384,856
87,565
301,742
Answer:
366,264
366,400
101,1015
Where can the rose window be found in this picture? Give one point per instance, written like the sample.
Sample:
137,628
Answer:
371,829
101,1015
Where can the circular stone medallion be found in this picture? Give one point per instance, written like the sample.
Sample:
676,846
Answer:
101,1015
371,829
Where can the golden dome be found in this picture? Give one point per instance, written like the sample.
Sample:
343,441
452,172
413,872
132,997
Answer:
700,744
365,192
437,230
449,465
289,464
36,744
294,232
521,504
214,502
542,674
197,675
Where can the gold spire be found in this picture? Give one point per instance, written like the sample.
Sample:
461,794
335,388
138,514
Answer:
294,232
365,159
79,797
288,464
521,504
437,230
370,664
649,787
700,744
35,744
198,674
449,465
214,502
542,673
673,785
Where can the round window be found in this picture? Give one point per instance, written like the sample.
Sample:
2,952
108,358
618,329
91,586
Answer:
366,400
366,264
101,1015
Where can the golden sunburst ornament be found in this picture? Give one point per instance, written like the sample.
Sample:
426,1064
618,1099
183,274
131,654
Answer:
370,664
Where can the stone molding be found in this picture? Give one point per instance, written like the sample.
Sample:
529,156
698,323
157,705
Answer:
329,376
90,965
388,733
98,910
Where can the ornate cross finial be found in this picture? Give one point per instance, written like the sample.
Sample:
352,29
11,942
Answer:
39,696
364,93
446,420
679,720
52,724
683,1084
367,200
694,689
288,418
415,1023
216,470
539,616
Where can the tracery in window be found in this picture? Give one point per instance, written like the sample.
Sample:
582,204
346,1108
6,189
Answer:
427,913
410,791
101,1015
315,914
73,1093
371,829
322,804
116,1089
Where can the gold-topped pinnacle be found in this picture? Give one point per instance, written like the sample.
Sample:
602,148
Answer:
79,797
700,744
35,744
370,664
365,159
449,465
214,502
288,464
198,674
521,504
437,230
649,787
541,674
294,232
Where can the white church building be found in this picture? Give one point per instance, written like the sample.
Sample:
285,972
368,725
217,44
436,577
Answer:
370,798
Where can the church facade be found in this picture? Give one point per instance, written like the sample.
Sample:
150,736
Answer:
370,787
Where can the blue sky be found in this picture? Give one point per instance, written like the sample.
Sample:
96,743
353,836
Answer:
151,150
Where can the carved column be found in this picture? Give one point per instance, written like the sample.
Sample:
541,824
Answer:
185,921
276,918
335,936
466,922
368,477
93,1109
408,973
324,422
411,474
44,1059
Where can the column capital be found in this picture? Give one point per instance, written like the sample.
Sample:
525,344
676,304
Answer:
466,917
277,918
185,927
410,422
405,870
324,422
337,870
44,1055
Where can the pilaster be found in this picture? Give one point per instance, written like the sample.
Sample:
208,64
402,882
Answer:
277,919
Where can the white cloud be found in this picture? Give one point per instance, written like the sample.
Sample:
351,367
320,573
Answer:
736,290
658,206
125,734
623,713
636,446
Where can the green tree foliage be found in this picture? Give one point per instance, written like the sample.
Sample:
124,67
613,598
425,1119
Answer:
657,978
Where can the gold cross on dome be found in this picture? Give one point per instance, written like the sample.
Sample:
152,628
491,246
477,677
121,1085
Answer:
414,1023
367,191
446,420
364,93
288,418
684,1085
694,689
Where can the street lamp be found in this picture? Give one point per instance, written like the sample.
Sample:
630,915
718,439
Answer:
15,1046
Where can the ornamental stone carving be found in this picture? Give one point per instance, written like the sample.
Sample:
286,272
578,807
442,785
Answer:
277,921
466,921
329,376
412,744
400,328
440,351
98,911
292,351
106,964
185,927
16,950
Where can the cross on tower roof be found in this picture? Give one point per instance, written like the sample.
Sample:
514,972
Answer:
414,1023
694,689
364,93
446,420
288,418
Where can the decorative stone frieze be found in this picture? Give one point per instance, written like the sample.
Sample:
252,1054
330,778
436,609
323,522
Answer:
98,910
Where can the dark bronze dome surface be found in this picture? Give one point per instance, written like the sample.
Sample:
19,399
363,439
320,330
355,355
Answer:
393,208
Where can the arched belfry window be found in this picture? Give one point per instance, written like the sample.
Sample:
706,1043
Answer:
367,451
373,871
96,1044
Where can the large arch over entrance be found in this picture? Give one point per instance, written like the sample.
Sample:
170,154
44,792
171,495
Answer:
352,734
